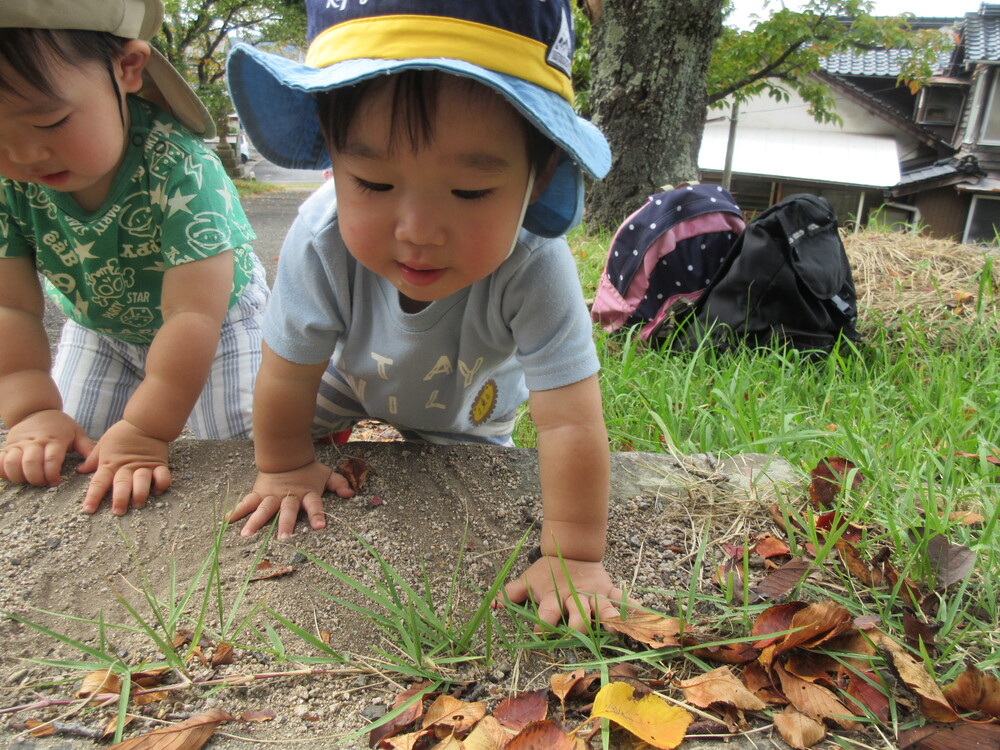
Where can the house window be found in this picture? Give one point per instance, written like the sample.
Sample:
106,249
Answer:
940,105
982,227
990,134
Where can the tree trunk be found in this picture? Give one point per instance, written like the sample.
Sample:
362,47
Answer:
649,59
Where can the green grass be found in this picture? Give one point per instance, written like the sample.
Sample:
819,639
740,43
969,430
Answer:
252,187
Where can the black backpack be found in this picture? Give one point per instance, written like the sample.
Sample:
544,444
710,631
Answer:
785,281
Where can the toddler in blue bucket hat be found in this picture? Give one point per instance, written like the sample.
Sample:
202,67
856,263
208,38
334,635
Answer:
428,284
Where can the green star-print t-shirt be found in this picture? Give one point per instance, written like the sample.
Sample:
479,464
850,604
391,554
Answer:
171,203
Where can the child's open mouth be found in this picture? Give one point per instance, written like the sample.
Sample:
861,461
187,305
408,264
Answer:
420,276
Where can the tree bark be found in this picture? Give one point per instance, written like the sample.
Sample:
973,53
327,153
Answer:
649,60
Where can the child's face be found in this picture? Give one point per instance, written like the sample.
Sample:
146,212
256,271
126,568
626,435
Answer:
72,142
439,217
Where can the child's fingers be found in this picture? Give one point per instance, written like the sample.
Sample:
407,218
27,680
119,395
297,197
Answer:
313,505
55,454
289,513
338,483
263,511
97,489
12,469
126,484
161,479
515,591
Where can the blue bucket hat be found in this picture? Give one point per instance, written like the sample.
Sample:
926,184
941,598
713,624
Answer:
522,49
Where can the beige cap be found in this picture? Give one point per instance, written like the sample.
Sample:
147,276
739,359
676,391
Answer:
130,19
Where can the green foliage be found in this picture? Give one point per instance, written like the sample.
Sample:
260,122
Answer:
196,36
781,52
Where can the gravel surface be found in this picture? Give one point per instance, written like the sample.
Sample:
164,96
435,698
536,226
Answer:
421,508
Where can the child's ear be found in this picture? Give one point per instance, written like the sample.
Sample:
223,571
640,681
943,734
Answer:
542,180
131,64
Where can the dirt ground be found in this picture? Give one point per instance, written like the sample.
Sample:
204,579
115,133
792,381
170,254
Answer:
422,508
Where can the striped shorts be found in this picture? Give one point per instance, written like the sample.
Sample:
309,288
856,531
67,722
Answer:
97,374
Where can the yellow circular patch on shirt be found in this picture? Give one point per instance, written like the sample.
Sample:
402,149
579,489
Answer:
485,403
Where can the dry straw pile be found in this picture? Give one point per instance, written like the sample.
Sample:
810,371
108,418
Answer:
897,273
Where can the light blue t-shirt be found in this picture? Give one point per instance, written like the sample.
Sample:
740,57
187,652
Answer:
456,370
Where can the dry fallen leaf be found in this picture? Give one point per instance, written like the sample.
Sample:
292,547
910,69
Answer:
265,570
488,735
912,673
961,736
355,471
775,619
544,735
405,718
561,684
814,700
828,479
190,734
779,582
650,718
458,716
952,562
798,729
720,686
975,691
101,682
40,728
650,628
768,546
258,715
816,624
517,711
223,654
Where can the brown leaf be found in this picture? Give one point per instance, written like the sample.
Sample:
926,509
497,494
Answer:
911,673
728,653
975,691
850,533
101,682
774,619
258,715
265,570
650,628
770,546
991,459
828,479
355,471
488,735
517,711
814,700
952,562
422,739
720,686
190,734
457,715
150,677
861,688
40,728
917,631
950,737
779,582
405,718
561,684
544,735
758,681
865,573
223,654
816,623
967,517
798,729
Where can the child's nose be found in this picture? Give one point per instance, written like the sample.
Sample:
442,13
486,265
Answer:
419,221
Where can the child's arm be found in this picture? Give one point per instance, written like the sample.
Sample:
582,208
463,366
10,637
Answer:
289,475
40,432
574,467
130,459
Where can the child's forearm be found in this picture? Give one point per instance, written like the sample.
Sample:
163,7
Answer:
574,471
177,367
283,408
26,384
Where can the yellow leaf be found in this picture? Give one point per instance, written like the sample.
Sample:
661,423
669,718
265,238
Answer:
650,718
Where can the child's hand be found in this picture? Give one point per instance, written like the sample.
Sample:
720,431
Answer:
545,582
287,491
129,463
37,445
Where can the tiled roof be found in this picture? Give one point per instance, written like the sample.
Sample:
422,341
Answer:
940,169
982,34
877,62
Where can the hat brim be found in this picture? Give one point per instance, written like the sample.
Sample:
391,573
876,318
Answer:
167,88
274,97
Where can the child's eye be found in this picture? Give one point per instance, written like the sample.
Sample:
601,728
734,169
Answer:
53,126
471,195
372,187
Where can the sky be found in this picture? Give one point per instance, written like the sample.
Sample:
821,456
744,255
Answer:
741,17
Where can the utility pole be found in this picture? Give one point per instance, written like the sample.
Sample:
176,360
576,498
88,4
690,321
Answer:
727,171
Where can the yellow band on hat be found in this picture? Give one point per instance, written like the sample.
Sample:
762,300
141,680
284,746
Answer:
405,37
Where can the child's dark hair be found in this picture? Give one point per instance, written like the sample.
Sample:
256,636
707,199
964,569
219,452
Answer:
414,98
28,52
